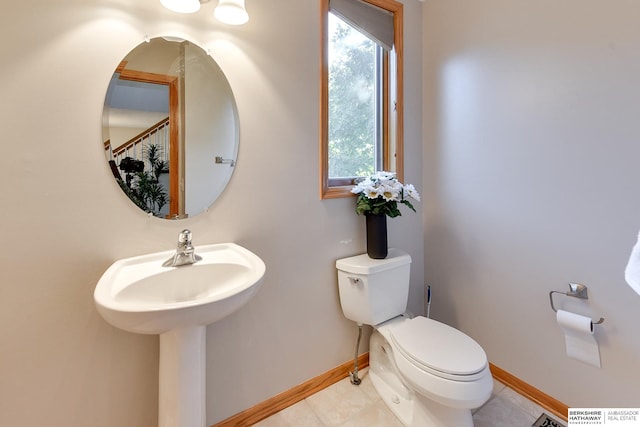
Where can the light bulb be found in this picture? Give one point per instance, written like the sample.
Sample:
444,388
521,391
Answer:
231,12
182,6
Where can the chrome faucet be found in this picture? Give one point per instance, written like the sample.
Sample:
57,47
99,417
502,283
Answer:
185,252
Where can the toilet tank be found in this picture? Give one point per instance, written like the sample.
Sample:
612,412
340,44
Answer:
374,290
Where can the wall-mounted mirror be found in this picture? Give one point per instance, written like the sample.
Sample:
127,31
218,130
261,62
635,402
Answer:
170,128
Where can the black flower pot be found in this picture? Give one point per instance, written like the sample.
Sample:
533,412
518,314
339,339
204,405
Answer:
376,236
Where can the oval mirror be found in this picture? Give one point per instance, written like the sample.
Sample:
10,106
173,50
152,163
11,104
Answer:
170,128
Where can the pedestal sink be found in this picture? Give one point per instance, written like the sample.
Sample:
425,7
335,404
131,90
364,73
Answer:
139,295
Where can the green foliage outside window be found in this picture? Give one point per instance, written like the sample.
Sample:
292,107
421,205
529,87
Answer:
352,101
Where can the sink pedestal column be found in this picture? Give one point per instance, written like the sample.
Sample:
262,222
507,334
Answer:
182,378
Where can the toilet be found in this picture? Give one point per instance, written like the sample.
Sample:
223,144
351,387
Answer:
428,373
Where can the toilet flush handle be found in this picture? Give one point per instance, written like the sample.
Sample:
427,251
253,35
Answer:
355,281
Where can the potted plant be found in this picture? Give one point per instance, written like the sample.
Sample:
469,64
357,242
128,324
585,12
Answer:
378,197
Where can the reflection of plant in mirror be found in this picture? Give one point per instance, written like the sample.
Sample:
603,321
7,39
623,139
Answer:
146,192
144,188
132,194
153,153
151,192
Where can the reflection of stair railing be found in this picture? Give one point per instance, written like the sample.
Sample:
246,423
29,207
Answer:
135,148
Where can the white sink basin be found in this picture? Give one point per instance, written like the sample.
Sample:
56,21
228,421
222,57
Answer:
139,295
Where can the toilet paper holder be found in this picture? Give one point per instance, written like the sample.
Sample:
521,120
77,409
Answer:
576,290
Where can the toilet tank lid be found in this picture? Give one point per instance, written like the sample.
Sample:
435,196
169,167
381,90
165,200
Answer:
362,264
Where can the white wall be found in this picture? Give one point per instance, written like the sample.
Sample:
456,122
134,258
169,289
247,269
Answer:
531,179
64,220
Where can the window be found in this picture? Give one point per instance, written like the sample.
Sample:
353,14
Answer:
361,92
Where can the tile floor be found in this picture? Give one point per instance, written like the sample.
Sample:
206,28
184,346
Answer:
345,405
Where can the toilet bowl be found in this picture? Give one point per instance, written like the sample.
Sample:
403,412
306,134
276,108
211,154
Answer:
428,373
443,373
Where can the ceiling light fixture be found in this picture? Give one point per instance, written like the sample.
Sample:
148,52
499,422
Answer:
182,6
231,12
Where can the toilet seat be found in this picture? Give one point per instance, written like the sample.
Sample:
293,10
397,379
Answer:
439,349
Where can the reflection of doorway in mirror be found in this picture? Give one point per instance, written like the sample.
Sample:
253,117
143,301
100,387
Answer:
139,131
142,114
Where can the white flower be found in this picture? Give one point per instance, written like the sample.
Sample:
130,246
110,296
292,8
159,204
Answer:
389,195
410,190
373,192
385,175
383,186
363,186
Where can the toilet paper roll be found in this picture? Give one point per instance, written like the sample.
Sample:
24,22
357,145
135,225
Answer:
578,335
